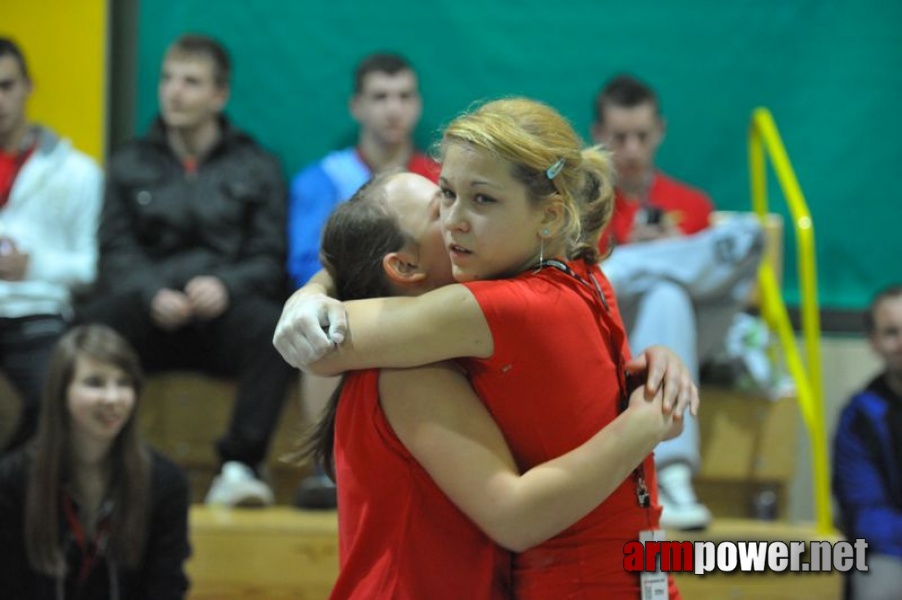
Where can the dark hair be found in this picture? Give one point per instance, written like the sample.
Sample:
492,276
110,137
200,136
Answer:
9,48
358,234
193,44
892,291
380,62
625,91
129,457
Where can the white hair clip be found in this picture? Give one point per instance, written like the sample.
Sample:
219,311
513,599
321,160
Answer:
552,171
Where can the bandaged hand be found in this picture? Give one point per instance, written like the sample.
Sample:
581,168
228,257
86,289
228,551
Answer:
312,325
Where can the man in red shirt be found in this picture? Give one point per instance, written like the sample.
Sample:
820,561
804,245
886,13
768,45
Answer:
648,204
674,283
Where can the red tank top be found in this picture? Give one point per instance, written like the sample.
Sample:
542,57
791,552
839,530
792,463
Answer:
400,538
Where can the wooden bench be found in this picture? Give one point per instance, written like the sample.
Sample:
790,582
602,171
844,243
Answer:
280,552
184,413
748,447
758,586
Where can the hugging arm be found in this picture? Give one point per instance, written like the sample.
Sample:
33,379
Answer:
456,441
321,335
311,324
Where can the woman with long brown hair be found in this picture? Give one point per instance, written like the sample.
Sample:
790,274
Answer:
87,510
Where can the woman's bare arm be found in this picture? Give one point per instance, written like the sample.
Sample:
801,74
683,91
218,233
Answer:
382,332
455,439
313,334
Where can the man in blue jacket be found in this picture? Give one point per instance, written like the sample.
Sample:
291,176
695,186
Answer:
867,457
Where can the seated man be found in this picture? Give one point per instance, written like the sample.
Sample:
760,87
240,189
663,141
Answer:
50,196
678,282
867,457
386,104
192,254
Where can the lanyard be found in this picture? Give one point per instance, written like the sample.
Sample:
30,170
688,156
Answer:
91,552
626,382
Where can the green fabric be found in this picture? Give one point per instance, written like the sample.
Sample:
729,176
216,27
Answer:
829,71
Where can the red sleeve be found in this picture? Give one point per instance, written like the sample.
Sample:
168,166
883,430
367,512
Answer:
425,166
505,305
623,217
688,207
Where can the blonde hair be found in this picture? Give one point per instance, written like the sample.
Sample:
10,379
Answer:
532,136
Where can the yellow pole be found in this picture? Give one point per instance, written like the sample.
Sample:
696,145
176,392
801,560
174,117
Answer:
763,135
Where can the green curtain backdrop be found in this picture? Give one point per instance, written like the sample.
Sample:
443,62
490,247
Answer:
830,71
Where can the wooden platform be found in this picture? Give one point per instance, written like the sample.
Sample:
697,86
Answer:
184,413
280,553
758,586
268,554
747,446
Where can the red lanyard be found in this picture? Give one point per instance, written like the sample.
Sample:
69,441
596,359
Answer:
91,552
615,343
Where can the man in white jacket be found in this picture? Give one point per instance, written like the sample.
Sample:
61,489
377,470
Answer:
50,197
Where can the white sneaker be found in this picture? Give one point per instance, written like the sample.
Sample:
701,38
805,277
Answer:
682,510
238,485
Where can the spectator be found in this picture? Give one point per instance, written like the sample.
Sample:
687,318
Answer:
50,196
867,457
678,283
87,510
386,105
192,250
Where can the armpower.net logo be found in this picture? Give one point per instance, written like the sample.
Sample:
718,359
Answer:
746,557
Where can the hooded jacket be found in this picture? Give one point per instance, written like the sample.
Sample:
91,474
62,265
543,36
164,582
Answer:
52,214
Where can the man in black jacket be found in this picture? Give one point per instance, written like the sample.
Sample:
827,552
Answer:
192,247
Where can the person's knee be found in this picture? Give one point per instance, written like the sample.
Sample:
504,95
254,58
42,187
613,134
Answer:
666,316
666,294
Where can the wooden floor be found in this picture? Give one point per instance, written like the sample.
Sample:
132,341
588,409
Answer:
280,553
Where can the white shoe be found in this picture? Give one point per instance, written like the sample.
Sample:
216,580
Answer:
682,510
238,485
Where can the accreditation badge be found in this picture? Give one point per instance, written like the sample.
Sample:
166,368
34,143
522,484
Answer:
653,583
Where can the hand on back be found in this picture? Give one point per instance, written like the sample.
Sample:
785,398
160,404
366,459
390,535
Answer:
666,374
